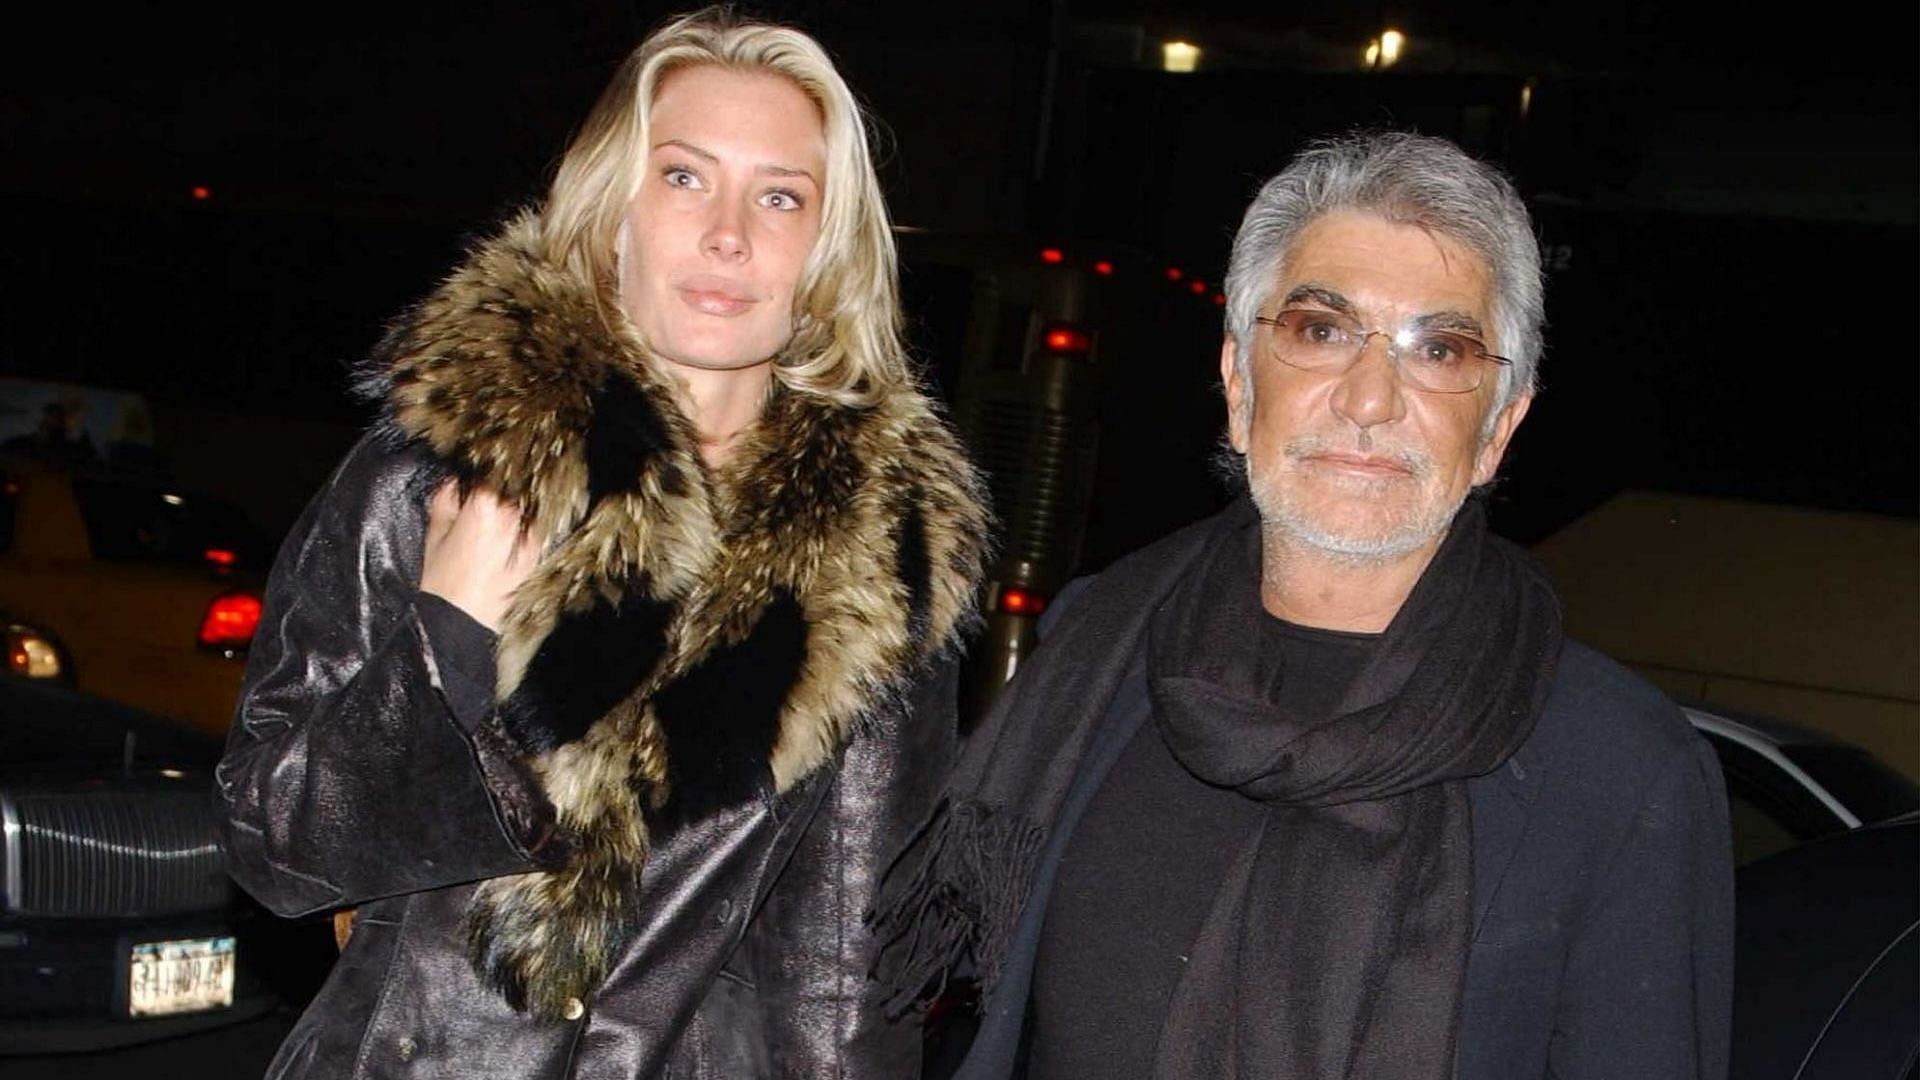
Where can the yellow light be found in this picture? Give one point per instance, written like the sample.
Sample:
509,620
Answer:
1373,52
1179,56
1391,43
31,655
1526,98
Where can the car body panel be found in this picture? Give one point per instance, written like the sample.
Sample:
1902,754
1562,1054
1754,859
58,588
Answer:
1827,953
130,627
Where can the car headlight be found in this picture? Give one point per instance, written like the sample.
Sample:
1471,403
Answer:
34,654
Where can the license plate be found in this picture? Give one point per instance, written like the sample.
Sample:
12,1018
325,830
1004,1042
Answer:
166,977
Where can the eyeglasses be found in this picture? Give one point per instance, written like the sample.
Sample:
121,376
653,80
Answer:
1438,361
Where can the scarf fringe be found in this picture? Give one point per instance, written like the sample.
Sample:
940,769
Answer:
962,897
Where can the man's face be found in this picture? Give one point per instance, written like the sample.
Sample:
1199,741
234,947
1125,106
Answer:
727,212
1360,465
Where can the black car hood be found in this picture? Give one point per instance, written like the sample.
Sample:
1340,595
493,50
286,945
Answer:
51,730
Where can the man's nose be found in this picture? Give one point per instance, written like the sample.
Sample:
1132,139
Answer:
1370,391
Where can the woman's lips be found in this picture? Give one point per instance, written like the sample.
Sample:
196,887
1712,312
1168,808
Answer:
716,296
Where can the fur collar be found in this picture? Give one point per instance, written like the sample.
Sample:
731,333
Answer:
692,639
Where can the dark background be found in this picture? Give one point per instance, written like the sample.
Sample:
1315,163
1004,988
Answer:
1728,202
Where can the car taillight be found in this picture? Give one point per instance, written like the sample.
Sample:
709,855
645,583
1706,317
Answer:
222,557
230,621
1015,600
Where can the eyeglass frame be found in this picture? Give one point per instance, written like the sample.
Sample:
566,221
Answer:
1393,350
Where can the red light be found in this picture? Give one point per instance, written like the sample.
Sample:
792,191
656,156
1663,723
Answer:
202,192
1219,301
1174,273
1052,255
220,556
1197,287
1103,268
1015,600
1066,339
231,620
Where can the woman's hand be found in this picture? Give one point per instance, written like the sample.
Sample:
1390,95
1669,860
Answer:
477,553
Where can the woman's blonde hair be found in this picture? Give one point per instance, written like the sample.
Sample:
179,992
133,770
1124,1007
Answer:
846,341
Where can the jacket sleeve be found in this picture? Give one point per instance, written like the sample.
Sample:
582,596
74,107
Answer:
824,1009
346,776
1648,989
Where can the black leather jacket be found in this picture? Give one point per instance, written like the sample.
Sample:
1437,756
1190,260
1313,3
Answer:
348,782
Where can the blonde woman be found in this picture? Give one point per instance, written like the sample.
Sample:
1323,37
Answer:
606,669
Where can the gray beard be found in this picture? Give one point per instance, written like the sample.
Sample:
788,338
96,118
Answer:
1279,514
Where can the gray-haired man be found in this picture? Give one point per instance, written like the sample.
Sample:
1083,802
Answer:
1316,788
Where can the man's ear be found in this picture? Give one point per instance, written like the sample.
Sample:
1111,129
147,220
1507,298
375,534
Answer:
1487,461
1239,395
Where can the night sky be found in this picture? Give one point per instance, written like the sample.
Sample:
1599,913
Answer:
1729,203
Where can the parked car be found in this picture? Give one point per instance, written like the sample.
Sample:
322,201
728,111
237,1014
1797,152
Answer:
1827,959
118,923
1788,784
154,592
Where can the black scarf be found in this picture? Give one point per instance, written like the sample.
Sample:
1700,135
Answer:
1337,944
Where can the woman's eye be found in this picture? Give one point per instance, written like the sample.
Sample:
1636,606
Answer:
680,177
780,200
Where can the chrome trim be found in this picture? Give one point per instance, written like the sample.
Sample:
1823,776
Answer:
9,853
1758,742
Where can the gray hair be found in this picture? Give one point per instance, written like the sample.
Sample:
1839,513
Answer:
1406,179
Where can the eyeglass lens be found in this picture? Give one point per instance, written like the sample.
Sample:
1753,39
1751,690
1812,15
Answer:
1439,360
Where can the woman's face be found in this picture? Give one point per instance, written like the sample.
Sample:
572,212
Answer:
727,212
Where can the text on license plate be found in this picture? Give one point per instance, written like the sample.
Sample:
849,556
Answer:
166,977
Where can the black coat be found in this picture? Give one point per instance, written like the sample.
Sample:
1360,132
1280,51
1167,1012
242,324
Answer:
723,699
1603,892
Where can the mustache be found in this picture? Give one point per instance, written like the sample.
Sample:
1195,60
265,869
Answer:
1417,464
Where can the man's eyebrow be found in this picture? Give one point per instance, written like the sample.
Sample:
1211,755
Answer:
1436,320
710,156
1451,320
1323,296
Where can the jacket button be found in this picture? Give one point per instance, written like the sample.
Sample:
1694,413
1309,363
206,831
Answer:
574,1010
723,913
407,1047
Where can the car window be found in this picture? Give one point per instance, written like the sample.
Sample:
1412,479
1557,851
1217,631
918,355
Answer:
1863,783
1769,810
1757,833
134,521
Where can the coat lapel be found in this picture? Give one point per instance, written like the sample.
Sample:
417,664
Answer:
1502,803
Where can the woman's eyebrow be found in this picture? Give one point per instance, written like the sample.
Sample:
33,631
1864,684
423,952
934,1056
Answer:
703,154
709,156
